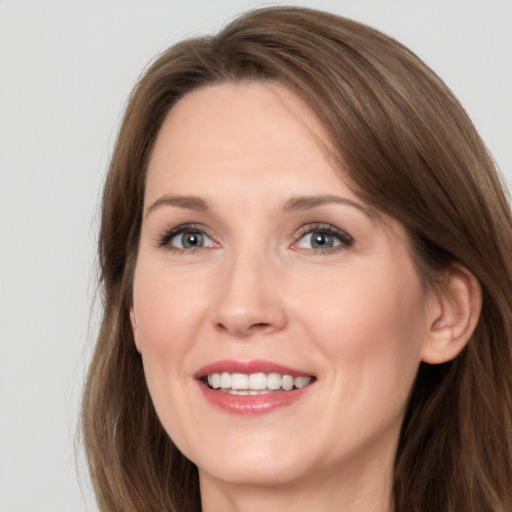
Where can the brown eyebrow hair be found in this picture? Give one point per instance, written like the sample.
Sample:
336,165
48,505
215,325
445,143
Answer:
308,202
293,204
187,202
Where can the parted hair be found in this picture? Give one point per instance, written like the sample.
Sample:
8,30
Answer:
410,150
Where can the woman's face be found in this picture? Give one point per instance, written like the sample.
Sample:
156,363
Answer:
259,268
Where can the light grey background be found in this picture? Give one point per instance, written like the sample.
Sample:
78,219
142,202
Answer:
65,71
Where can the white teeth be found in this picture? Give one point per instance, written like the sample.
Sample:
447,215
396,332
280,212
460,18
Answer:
215,381
225,380
300,382
255,383
287,382
274,380
258,381
239,381
247,392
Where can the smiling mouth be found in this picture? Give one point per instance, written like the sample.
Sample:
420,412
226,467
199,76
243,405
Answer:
254,383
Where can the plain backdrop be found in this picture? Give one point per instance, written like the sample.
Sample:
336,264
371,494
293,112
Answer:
66,68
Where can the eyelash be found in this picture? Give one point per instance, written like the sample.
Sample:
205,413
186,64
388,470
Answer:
165,237
345,240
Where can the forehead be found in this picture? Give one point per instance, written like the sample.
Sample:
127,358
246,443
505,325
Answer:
244,130
230,102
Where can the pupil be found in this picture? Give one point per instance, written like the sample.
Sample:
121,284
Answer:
321,240
192,240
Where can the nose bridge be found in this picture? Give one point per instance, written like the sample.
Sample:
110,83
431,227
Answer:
248,296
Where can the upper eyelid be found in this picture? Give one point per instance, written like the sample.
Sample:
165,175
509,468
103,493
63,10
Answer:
323,226
167,234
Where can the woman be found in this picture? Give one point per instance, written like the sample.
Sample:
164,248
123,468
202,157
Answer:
305,256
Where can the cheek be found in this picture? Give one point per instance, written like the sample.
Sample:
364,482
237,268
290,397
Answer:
372,327
167,310
370,333
167,313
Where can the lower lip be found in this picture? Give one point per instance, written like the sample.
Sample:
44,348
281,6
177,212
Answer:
251,405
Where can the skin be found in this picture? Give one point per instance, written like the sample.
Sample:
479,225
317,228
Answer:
356,315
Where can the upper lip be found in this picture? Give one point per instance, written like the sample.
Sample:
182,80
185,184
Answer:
248,367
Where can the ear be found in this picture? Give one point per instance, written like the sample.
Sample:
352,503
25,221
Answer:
454,317
133,322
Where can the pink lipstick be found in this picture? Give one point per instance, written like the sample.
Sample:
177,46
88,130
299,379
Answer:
251,387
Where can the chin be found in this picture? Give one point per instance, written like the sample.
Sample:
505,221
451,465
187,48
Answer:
256,473
250,459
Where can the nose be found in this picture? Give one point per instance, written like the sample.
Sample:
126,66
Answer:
249,299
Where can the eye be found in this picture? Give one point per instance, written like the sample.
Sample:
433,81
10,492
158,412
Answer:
189,240
184,238
323,238
318,240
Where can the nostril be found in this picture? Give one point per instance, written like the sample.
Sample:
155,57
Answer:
259,326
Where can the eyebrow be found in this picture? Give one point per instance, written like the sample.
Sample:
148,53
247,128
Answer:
186,202
297,203
309,202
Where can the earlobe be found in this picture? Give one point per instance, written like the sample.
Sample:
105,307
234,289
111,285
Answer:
133,322
459,302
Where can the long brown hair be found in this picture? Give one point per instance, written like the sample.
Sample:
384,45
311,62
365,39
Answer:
411,151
